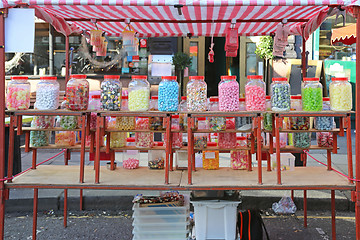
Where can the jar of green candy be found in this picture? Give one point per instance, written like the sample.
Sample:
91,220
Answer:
312,94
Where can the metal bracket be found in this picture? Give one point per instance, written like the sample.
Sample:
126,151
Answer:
179,6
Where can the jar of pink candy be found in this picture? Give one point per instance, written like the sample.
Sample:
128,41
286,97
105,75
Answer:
77,93
228,94
130,158
228,140
18,93
143,139
255,93
177,138
239,158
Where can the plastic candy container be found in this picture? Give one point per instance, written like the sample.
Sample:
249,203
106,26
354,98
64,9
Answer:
156,158
139,93
177,138
40,138
68,122
168,94
295,103
255,93
200,139
130,158
94,105
340,94
18,93
228,94
325,123
280,94
228,140
210,158
47,93
182,115
300,123
111,90
239,158
268,117
125,123
243,123
302,140
156,123
65,138
283,140
117,139
196,91
44,122
312,94
325,139
143,139
216,123
77,93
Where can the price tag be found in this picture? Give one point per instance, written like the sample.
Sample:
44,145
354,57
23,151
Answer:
209,155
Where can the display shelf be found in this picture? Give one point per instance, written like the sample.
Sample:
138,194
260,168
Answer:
224,131
302,131
54,146
224,114
133,114
57,129
296,149
312,114
35,112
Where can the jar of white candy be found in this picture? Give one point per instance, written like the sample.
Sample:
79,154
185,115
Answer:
340,94
196,91
47,93
228,94
139,93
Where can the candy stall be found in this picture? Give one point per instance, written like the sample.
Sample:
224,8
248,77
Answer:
273,122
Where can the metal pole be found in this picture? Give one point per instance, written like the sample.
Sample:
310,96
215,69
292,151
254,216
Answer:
67,58
333,220
303,58
35,210
51,50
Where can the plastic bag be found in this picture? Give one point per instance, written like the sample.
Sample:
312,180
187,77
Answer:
284,206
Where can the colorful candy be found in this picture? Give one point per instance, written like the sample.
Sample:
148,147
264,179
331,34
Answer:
143,139
44,121
157,163
268,121
139,99
325,139
47,96
299,123
280,95
228,140
200,141
111,90
312,99
117,139
125,123
77,93
17,98
65,138
168,94
69,122
217,123
340,94
239,160
254,98
210,160
228,94
39,138
131,163
302,140
196,94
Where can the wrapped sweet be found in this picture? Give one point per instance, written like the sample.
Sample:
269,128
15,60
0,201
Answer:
18,93
239,159
139,93
77,93
47,93
210,158
340,94
255,93
312,95
143,139
196,91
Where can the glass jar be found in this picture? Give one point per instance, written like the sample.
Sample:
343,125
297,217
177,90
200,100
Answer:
156,158
130,158
255,92
168,94
117,139
283,140
228,94
243,123
139,93
181,159
295,103
44,122
340,94
298,123
302,140
143,139
156,123
77,93
210,158
268,117
47,93
40,138
216,123
64,138
280,94
18,93
311,94
200,139
325,123
196,91
228,140
111,90
177,138
239,158
125,123
325,139
94,105
183,115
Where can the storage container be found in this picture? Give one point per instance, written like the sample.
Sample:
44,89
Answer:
325,139
125,123
94,105
239,159
117,139
287,161
155,123
340,94
216,123
156,158
130,158
47,94
267,116
228,94
311,94
139,93
64,138
324,123
243,123
143,139
40,138
181,159
168,94
228,140
111,91
295,103
255,92
183,115
210,158
302,140
177,138
200,139
77,93
280,94
196,91
18,93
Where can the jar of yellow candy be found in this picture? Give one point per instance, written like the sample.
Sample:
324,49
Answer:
340,94
139,93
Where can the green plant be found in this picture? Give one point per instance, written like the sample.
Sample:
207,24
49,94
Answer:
265,48
181,61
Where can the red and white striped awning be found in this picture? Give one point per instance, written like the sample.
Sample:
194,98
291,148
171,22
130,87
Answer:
155,18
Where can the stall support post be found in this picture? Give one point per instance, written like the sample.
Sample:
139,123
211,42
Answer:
357,123
190,147
277,145
82,153
333,220
67,67
349,148
35,210
11,148
257,124
303,58
168,147
98,135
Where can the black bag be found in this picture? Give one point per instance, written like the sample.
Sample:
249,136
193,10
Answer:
250,225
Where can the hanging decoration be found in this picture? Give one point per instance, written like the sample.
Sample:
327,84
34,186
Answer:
211,52
281,39
14,62
129,41
232,41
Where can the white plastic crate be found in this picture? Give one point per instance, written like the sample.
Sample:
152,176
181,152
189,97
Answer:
154,226
287,161
215,219
154,235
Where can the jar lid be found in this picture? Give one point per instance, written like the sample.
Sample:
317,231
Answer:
311,79
124,97
112,77
211,144
48,78
169,77
140,77
175,116
254,77
159,144
130,139
196,77
242,99
326,99
96,96
268,97
228,77
214,99
183,98
240,138
295,97
279,79
78,76
340,79
155,97
142,117
19,78
201,118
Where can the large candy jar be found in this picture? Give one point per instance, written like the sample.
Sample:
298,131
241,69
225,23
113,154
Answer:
340,94
196,91
280,94
325,123
139,93
239,158
18,93
243,123
216,123
325,139
302,140
168,94
228,140
143,139
255,93
228,94
311,94
47,93
77,93
111,90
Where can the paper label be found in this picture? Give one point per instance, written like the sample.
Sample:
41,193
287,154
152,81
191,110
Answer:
209,155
